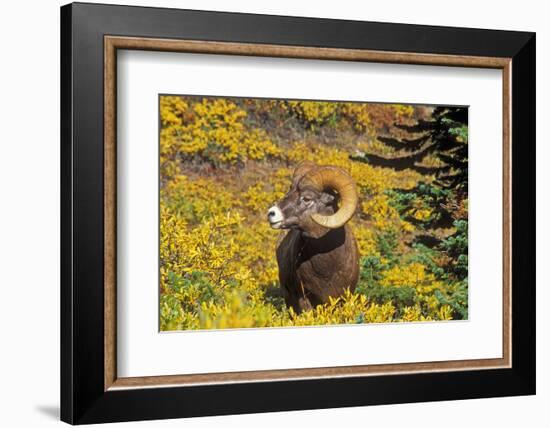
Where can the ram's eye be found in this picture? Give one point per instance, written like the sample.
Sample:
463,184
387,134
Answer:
306,199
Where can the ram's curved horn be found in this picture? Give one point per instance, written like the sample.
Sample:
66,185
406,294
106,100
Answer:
336,179
302,169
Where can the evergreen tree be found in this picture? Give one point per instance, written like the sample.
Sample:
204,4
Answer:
444,136
443,140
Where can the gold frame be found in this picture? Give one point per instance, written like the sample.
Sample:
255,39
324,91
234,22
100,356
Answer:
113,43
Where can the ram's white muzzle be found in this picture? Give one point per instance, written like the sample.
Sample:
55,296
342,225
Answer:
275,217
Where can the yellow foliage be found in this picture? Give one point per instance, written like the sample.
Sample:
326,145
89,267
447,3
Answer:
380,212
412,275
360,114
217,251
348,309
313,112
195,199
207,247
366,239
412,313
213,130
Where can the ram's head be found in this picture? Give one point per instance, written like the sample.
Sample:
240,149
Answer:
320,198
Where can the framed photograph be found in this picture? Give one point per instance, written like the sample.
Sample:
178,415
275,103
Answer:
265,213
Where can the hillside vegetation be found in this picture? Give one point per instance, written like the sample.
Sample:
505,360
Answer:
224,161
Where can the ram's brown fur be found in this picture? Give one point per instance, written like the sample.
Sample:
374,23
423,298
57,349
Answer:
315,262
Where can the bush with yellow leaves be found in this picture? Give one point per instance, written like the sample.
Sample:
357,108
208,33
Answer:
212,130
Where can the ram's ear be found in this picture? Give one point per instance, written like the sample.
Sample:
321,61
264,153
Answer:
326,198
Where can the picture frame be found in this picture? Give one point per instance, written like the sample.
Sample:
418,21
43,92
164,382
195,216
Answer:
91,390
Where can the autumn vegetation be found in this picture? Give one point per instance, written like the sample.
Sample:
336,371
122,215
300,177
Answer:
224,161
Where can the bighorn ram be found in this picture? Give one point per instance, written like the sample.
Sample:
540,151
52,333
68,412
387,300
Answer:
318,257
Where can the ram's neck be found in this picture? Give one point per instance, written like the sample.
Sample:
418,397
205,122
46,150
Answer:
329,242
328,265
